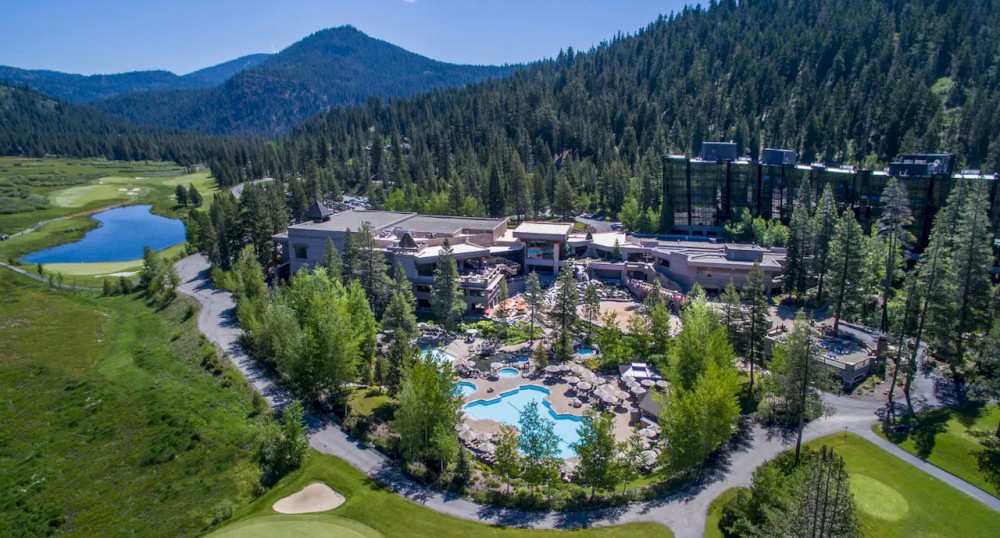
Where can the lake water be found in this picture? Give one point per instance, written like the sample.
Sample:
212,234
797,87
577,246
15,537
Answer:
122,235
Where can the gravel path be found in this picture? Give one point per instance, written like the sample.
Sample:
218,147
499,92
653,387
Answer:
683,511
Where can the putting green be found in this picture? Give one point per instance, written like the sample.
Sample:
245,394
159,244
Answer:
298,526
878,499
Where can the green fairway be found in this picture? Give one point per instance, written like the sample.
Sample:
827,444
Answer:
303,526
949,439
110,424
376,509
87,194
894,498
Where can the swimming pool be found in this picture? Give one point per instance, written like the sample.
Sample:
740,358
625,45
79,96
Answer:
508,372
465,388
438,354
585,351
507,409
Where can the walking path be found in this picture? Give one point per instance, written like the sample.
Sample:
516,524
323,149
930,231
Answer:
683,512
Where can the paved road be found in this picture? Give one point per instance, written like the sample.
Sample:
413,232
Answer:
599,226
684,511
237,190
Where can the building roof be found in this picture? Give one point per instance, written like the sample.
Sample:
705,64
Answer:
407,241
436,224
544,230
340,222
460,251
648,405
318,211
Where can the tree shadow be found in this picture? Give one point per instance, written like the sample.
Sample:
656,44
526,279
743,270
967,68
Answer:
928,426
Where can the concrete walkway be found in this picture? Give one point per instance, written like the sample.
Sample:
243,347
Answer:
683,511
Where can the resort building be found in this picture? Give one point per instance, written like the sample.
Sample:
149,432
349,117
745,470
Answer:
487,252
700,194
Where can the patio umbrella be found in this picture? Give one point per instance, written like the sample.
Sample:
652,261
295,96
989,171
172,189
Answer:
584,385
638,391
552,368
572,380
621,395
647,382
496,365
662,384
577,369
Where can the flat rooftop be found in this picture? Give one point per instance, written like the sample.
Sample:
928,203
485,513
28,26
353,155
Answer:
340,222
555,229
447,225
391,220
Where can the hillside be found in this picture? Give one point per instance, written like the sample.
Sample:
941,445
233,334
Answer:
839,81
85,88
36,125
339,66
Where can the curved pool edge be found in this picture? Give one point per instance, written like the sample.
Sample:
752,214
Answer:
482,402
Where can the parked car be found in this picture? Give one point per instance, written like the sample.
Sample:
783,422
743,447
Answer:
617,227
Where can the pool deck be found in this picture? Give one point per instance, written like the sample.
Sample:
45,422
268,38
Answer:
557,398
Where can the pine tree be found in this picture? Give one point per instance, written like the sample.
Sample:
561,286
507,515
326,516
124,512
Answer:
847,255
194,197
893,227
350,256
800,242
732,316
332,261
756,321
371,269
563,314
825,504
797,376
429,407
400,321
447,301
181,194
533,296
591,306
824,227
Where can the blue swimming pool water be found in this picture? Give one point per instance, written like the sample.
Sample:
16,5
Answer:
122,235
507,409
439,355
585,351
509,372
523,359
465,388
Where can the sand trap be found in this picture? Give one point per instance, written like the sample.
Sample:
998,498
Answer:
123,273
316,497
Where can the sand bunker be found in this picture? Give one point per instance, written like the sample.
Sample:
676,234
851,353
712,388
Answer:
315,497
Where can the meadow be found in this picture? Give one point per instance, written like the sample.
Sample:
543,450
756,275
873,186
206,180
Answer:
117,419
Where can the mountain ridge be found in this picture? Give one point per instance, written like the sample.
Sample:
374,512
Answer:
327,69
81,89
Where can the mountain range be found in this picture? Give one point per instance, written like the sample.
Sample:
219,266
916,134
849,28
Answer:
78,89
261,93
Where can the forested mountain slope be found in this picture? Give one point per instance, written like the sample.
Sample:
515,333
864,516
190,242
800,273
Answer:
339,66
853,81
35,125
84,88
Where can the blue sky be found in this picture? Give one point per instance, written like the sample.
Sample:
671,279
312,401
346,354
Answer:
112,36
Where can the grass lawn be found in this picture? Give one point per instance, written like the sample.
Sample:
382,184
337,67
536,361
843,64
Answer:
381,511
894,498
110,425
715,513
83,195
304,526
107,269
368,402
49,235
947,438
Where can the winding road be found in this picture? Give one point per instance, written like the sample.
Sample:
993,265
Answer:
683,512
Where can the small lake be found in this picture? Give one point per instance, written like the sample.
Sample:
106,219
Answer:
122,235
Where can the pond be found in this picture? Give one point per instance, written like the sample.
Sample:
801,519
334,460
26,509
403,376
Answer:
507,410
122,235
